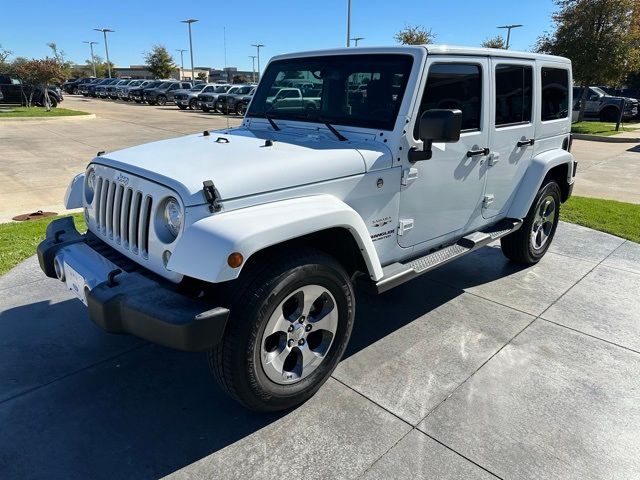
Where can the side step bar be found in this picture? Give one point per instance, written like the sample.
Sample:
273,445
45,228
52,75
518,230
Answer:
398,273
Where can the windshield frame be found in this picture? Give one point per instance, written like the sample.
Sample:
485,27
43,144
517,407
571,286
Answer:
267,84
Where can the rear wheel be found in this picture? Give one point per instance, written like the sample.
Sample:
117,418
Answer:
241,109
182,107
161,100
205,109
291,318
528,244
193,104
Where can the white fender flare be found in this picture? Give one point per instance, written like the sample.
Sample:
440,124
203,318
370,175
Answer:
203,248
73,196
532,180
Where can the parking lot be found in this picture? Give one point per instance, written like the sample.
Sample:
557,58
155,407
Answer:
480,370
40,157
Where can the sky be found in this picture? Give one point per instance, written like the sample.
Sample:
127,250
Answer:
281,25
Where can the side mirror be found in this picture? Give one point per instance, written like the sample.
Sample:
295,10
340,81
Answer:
436,125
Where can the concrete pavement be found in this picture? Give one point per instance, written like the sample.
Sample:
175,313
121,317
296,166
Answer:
479,370
39,158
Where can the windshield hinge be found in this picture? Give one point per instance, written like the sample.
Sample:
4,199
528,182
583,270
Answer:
211,195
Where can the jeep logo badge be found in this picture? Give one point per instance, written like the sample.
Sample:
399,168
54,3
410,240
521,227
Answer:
122,179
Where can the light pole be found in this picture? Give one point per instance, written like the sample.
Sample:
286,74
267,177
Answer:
258,46
189,22
181,62
357,39
253,66
509,28
93,58
106,47
348,23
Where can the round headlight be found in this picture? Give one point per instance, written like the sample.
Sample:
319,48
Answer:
173,216
90,185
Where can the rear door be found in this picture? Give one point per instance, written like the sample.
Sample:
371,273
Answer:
512,132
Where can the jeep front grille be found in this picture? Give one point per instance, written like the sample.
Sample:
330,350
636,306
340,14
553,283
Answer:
123,215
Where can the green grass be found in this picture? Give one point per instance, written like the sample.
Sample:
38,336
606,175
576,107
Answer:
13,112
617,218
604,129
18,240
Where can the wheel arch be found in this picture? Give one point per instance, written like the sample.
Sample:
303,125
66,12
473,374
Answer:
556,164
321,221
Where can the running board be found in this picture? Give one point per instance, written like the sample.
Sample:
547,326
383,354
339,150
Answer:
398,273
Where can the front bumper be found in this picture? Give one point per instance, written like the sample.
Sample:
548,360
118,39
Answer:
123,302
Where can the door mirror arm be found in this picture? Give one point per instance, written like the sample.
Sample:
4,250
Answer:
436,125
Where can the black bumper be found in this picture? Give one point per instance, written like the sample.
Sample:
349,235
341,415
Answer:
135,304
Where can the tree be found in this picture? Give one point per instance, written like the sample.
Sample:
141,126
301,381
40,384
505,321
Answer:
4,56
415,35
239,79
202,76
101,67
495,42
40,74
601,37
159,62
60,57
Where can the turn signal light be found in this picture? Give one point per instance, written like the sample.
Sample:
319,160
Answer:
235,260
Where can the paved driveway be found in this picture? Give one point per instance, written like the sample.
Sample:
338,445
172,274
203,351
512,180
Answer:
480,370
40,157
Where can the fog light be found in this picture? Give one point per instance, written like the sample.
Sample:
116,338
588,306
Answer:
235,260
166,256
59,269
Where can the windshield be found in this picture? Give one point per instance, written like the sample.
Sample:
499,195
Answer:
163,85
323,89
243,90
221,89
599,91
233,90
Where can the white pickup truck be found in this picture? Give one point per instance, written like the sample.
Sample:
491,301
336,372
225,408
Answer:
247,242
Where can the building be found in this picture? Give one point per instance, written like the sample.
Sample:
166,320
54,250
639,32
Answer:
141,72
227,74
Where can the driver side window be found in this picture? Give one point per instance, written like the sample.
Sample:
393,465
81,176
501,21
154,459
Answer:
454,86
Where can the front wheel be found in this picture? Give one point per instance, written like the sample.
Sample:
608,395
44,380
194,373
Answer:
291,319
528,244
161,100
193,104
241,109
182,107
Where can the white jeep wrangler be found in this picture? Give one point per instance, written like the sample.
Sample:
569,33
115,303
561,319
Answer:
246,242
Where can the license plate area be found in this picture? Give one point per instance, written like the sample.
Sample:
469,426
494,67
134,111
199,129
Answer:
75,282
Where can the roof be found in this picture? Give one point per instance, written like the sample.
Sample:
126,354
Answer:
431,49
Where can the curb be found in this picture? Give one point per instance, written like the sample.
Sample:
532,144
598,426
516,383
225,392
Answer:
600,138
48,119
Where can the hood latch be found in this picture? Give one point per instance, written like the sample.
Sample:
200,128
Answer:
212,196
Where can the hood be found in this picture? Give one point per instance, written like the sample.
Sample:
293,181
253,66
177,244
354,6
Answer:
240,164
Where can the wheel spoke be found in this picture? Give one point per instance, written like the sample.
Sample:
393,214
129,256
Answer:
279,323
276,361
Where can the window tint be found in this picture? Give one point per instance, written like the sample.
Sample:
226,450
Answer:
555,93
456,86
513,94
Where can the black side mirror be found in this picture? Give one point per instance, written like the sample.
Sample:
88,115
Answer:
436,125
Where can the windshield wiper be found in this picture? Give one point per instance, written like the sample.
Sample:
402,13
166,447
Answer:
326,123
273,124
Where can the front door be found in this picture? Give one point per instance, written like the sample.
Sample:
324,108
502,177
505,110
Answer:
441,196
512,132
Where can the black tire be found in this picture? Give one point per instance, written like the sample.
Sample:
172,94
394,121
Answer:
150,102
138,101
161,100
205,109
609,114
193,104
236,360
182,107
74,91
519,246
240,109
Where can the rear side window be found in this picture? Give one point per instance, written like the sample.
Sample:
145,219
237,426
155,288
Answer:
454,86
555,93
513,94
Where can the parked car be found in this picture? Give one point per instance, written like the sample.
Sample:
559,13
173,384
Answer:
112,90
122,91
73,86
16,93
247,242
137,94
243,103
83,89
206,101
604,106
189,98
99,90
229,102
163,93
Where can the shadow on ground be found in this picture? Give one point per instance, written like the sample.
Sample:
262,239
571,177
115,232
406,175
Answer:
120,408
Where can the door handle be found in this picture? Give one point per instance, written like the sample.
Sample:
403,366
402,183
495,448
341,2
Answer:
475,153
524,143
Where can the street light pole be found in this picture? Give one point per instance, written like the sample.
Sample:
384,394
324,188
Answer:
181,62
348,23
357,39
509,28
189,22
258,46
253,66
93,58
106,47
